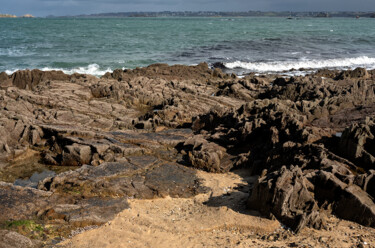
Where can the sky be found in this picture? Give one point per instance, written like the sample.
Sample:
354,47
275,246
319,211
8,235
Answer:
74,7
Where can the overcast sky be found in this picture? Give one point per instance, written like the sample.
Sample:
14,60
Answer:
74,7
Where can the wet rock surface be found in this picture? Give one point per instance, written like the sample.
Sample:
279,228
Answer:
142,133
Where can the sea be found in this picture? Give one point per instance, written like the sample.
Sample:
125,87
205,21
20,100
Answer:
243,45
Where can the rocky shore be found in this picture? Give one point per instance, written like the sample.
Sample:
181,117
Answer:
75,149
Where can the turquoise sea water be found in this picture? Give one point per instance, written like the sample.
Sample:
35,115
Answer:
243,44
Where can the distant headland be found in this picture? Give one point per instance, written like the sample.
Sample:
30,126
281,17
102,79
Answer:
14,16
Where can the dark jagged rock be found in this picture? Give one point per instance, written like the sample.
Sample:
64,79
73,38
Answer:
219,65
257,127
345,198
287,136
285,194
301,199
357,143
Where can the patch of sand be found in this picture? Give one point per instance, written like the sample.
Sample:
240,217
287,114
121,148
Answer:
216,219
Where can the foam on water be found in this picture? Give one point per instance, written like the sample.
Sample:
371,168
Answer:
280,66
92,69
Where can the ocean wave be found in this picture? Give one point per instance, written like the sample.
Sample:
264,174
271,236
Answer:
280,66
92,69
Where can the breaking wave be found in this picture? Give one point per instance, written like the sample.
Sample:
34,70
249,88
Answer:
282,66
92,69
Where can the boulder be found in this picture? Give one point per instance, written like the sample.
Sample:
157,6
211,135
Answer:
349,202
206,155
76,155
29,79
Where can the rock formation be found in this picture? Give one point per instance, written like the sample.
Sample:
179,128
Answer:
308,138
140,133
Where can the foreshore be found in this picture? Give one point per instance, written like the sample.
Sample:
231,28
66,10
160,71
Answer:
187,156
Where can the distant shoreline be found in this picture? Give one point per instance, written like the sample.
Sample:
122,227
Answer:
286,14
14,16
322,14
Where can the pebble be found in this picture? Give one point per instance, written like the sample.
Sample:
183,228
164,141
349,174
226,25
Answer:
271,238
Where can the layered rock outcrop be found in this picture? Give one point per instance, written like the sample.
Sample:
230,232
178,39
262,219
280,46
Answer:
140,133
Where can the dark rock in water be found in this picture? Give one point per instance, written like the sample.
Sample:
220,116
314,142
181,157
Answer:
219,65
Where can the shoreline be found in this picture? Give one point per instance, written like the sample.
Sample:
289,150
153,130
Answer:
285,73
283,68
265,160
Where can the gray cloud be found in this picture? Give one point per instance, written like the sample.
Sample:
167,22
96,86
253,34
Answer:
73,7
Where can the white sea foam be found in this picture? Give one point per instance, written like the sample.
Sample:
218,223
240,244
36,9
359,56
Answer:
92,69
280,66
